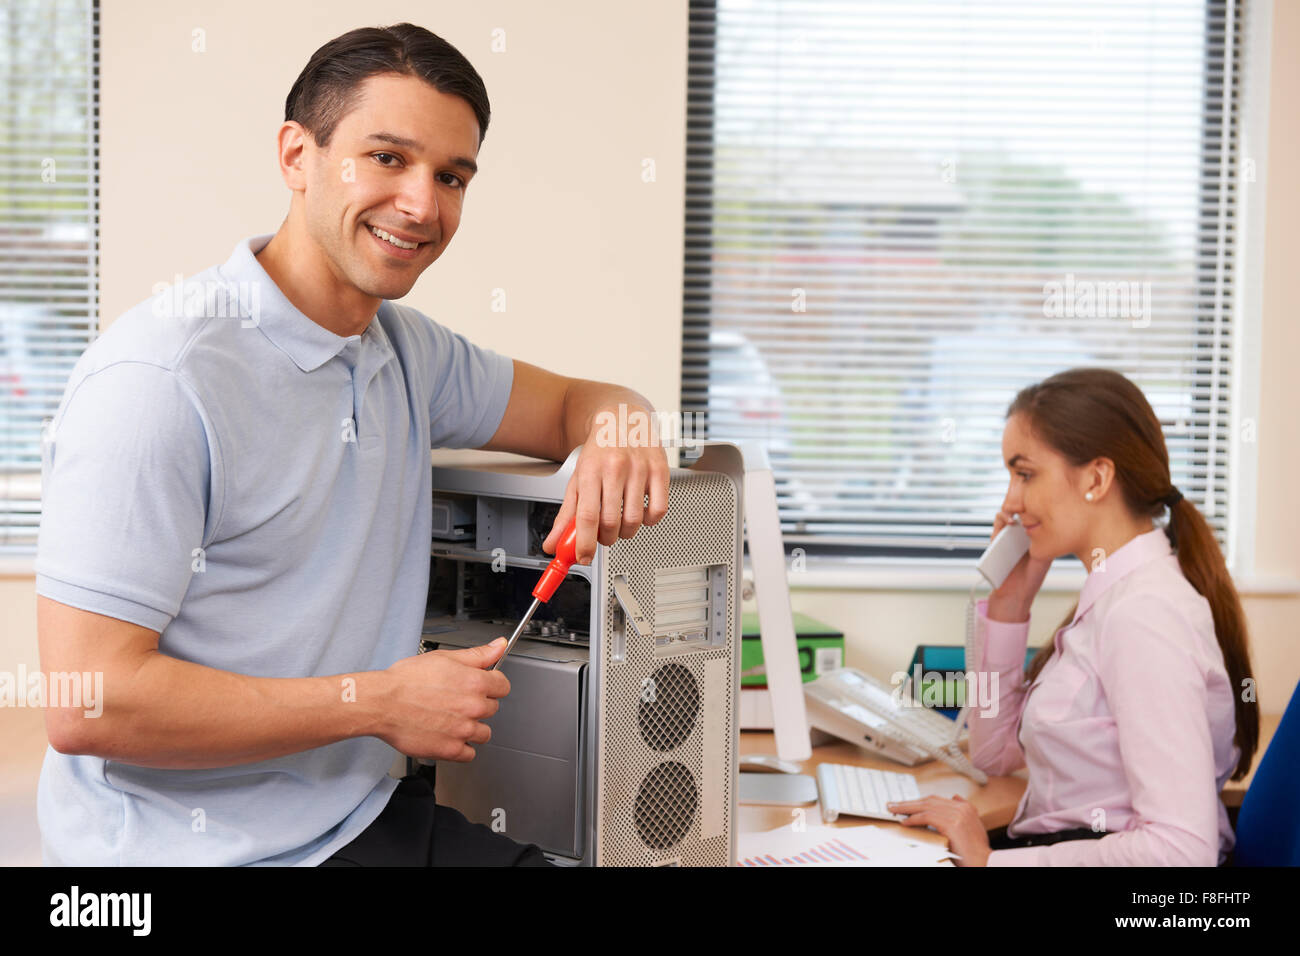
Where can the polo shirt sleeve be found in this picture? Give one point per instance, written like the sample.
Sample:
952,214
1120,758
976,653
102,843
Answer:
125,495
470,390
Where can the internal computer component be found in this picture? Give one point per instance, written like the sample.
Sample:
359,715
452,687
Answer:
464,589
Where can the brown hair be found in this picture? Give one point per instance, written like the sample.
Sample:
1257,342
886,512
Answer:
327,86
1090,413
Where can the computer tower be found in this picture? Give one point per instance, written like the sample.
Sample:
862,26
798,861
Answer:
617,745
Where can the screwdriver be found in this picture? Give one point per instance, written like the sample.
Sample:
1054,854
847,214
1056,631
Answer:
566,552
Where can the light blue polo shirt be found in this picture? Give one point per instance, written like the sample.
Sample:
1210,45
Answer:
227,472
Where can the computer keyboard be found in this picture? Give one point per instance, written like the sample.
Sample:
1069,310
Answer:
861,791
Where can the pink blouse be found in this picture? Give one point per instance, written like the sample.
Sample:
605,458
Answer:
1128,728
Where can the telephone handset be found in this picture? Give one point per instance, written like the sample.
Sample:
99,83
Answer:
998,560
1003,554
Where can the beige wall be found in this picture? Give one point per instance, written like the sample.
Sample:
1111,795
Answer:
589,255
560,218
1275,622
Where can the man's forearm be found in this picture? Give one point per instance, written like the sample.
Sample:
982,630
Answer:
175,714
584,400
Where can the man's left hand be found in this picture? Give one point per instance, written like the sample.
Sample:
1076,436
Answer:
609,490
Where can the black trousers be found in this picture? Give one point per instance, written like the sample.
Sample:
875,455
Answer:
998,839
413,830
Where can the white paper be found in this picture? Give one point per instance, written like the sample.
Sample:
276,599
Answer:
865,845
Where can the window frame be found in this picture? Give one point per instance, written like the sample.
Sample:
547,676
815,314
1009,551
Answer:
905,569
19,559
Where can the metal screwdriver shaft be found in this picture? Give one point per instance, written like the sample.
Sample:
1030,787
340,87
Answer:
566,553
537,602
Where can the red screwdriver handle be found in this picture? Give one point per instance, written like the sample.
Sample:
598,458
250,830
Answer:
566,552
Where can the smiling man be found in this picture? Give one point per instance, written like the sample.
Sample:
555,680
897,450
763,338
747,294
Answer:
237,508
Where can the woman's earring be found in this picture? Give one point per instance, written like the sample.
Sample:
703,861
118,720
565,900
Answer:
1088,496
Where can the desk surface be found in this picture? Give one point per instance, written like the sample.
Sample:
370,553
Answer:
995,802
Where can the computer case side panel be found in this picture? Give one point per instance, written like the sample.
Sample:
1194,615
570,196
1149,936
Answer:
666,739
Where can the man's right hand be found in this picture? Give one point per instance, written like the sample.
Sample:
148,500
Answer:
1011,602
439,700
154,710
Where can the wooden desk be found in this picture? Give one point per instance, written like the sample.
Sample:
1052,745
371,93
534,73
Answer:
995,802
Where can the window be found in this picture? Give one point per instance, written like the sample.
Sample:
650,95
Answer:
899,213
49,56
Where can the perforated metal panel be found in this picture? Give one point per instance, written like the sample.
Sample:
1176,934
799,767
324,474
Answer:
666,805
657,797
670,702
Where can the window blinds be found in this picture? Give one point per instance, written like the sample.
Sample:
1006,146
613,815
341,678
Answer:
48,234
899,213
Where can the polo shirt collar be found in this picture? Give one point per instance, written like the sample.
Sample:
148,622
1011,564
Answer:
308,343
1140,551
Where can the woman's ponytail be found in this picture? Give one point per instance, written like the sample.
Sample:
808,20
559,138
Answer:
1202,562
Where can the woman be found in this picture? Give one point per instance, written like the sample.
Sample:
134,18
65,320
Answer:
1133,717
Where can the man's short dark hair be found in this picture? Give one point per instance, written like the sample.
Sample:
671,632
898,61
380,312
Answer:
330,82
